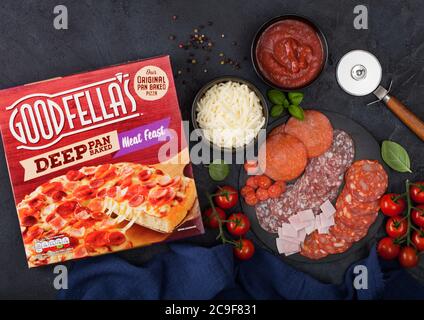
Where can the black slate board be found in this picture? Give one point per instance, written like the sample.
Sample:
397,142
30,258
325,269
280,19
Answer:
366,147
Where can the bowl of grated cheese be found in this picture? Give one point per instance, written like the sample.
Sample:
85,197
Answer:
230,112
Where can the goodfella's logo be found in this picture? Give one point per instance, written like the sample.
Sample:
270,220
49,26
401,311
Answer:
40,120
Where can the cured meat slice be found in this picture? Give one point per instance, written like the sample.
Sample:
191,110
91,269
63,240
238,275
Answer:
330,244
367,180
342,232
354,206
277,130
355,222
315,131
311,248
283,157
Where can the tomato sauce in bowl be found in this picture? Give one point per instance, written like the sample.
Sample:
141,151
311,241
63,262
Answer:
289,52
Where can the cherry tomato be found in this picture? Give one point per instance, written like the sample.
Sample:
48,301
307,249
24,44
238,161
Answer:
251,167
227,197
263,181
408,257
396,227
418,215
388,249
246,190
211,220
391,207
275,190
238,224
416,191
244,249
262,194
418,240
282,184
252,182
251,199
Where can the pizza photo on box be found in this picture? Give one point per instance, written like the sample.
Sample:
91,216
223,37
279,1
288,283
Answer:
98,162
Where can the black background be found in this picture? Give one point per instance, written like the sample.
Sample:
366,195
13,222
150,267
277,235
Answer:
103,33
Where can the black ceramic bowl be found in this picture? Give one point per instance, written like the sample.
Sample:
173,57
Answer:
206,87
269,23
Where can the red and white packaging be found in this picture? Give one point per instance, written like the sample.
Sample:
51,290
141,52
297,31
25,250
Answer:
98,162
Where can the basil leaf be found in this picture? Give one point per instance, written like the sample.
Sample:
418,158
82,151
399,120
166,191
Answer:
395,156
218,170
295,97
276,96
276,110
296,112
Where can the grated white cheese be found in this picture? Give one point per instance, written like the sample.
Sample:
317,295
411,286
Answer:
230,114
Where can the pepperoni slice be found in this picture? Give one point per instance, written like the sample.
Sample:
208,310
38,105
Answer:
111,192
80,251
97,183
74,175
50,187
95,205
124,182
50,217
101,194
171,194
33,233
144,174
37,202
84,193
98,215
28,221
102,169
116,238
58,195
66,208
98,238
136,200
127,171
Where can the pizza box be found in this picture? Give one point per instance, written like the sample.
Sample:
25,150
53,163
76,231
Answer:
98,162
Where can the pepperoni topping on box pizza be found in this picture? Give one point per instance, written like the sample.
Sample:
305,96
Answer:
116,238
95,205
37,202
74,175
50,187
136,200
84,192
97,238
58,195
145,174
66,208
97,183
28,221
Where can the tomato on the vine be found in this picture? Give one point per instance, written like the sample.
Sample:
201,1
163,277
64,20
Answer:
244,249
397,226
238,224
417,215
416,192
408,257
226,198
418,240
211,219
388,249
392,204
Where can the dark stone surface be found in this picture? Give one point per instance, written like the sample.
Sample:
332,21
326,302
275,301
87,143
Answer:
102,33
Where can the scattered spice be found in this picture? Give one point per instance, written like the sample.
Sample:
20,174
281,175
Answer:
171,37
174,17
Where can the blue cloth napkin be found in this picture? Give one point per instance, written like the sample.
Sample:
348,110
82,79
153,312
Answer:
193,272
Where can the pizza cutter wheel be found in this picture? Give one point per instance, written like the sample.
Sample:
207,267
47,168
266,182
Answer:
359,73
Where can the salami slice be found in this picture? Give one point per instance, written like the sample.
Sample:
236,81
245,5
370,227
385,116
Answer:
367,180
355,222
342,232
354,206
331,244
311,248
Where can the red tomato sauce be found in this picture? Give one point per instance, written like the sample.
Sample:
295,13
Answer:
290,54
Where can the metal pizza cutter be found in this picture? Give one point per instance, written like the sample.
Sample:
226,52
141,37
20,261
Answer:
359,73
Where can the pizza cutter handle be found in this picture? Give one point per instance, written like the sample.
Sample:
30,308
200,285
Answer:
405,115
